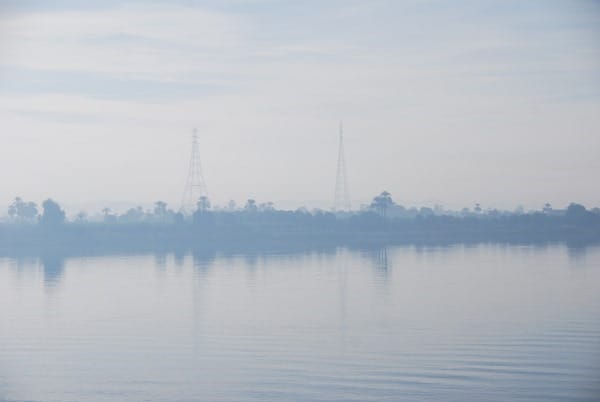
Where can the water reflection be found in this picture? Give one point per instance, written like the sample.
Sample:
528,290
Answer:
577,252
53,263
435,324
382,268
202,260
160,260
343,259
251,261
179,257
53,266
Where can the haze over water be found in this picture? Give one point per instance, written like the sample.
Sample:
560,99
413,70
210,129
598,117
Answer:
460,323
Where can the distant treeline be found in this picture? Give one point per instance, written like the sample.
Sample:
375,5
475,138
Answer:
262,225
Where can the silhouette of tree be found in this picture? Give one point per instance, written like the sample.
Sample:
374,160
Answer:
425,211
52,215
382,203
577,212
160,210
251,205
22,211
203,204
81,217
133,215
266,206
12,208
108,216
262,222
178,218
203,218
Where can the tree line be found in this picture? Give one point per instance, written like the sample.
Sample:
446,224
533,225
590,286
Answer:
261,225
382,209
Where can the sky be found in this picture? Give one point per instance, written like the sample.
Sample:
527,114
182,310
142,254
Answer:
450,103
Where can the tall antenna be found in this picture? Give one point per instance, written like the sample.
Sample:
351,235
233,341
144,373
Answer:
341,200
194,186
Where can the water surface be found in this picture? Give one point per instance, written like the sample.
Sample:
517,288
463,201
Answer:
460,323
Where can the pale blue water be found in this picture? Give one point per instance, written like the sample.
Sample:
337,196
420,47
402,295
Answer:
461,323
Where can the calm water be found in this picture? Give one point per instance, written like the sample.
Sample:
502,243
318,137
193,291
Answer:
461,323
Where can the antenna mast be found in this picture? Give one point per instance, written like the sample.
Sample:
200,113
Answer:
195,187
342,198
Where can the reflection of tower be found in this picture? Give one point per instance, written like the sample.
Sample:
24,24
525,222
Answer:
342,199
194,186
382,260
381,265
341,255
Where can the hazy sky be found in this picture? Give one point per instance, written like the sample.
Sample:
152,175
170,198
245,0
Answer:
447,102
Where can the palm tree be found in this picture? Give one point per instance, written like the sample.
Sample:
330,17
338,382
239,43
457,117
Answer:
250,205
81,217
203,204
160,209
382,203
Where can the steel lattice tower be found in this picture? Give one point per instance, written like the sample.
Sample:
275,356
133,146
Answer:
341,200
195,187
